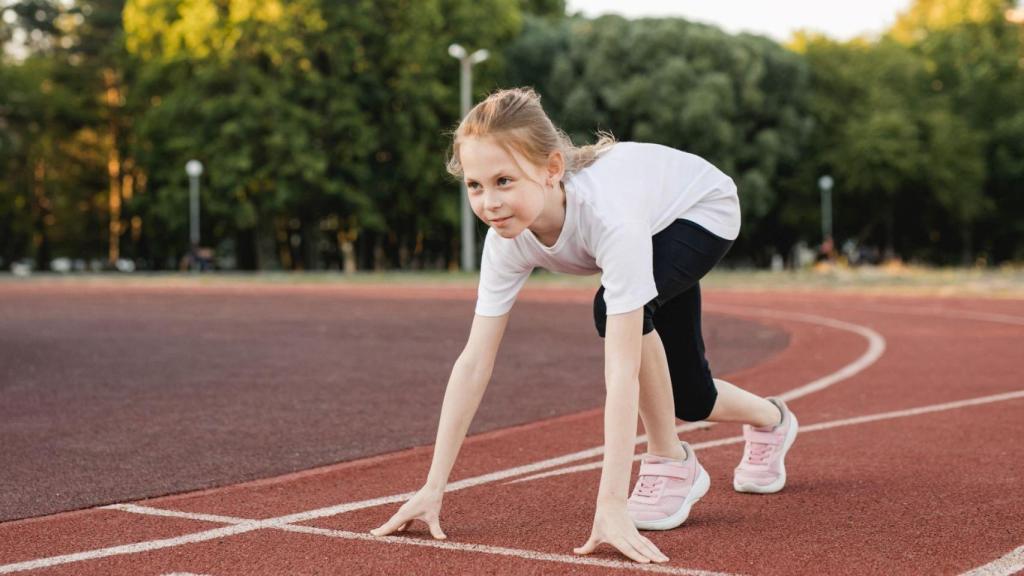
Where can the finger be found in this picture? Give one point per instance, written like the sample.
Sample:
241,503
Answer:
586,548
394,524
648,549
626,548
435,529
654,548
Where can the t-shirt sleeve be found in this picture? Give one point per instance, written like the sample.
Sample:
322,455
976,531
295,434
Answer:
625,255
502,274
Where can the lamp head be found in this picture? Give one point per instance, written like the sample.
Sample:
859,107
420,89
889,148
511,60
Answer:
456,51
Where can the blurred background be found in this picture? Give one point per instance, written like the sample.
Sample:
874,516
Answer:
320,128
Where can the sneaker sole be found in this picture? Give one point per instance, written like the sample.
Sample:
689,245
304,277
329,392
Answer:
778,484
699,489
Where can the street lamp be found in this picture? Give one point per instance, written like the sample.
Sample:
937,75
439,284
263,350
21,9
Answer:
194,169
467,60
825,184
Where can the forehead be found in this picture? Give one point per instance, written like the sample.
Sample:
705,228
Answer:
483,158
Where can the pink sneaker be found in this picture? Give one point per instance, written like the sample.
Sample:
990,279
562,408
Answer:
666,490
763,468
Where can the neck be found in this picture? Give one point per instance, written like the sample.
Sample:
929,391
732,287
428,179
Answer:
548,227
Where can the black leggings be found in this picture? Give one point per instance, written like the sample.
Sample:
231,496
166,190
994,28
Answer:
683,253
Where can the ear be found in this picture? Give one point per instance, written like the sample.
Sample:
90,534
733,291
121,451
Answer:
556,166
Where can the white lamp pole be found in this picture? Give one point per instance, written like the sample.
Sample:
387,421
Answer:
467,60
194,169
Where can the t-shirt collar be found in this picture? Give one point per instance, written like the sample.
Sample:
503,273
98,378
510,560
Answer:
567,225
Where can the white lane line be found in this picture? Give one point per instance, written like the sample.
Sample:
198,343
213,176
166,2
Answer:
245,525
876,345
806,428
515,552
943,312
1009,564
151,511
871,354
130,548
274,523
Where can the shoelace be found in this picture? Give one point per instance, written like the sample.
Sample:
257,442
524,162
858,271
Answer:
648,485
758,453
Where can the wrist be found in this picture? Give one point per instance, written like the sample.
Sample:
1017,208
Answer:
434,487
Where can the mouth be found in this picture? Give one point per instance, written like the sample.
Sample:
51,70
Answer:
500,220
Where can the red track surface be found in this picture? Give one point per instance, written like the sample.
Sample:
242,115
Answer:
935,492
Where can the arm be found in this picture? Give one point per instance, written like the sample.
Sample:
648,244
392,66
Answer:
466,386
622,346
612,524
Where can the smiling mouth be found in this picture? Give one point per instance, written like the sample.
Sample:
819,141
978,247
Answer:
496,220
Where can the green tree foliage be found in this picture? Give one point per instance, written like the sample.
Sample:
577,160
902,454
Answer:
323,125
51,152
320,123
737,101
974,56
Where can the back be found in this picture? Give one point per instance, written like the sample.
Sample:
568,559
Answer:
660,184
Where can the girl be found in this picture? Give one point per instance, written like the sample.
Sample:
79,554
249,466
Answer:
652,220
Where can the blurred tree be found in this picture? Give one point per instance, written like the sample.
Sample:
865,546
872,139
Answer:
974,56
736,101
554,9
903,180
319,120
53,168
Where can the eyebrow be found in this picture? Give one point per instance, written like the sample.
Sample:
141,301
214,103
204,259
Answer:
505,173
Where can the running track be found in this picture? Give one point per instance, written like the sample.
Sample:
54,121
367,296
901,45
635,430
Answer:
909,462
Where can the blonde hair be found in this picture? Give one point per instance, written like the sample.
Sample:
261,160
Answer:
515,119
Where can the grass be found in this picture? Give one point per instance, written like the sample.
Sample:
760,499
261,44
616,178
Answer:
1004,282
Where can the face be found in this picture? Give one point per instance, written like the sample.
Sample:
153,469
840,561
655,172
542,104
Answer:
500,193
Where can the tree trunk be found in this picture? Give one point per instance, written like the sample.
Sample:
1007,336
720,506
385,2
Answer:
113,101
890,233
967,255
44,216
247,253
283,240
378,253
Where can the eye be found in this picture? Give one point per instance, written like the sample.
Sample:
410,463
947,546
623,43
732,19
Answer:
503,179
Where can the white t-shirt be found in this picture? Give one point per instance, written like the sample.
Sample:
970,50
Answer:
612,209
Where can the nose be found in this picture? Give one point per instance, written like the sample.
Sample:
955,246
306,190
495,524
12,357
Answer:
491,201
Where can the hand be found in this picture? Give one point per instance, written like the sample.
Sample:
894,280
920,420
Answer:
612,525
425,505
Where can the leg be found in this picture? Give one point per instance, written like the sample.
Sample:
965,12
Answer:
656,404
699,396
735,404
656,400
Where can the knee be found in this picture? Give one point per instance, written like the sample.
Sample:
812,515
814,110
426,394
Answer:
697,402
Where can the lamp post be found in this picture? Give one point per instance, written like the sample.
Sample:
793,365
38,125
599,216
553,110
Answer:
194,169
825,185
465,85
